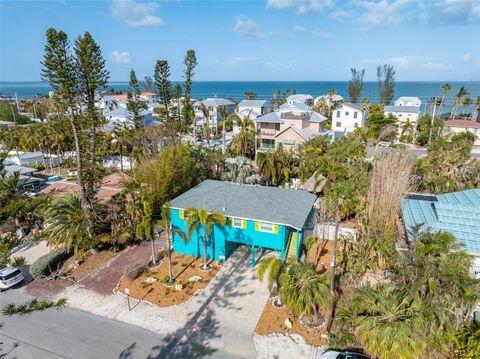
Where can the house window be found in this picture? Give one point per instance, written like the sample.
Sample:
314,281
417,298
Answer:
238,223
355,125
338,124
347,113
355,114
277,127
268,143
338,113
266,227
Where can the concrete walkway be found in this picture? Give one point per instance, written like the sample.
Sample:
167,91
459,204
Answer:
220,319
31,251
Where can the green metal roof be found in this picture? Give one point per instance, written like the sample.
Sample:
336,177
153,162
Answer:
457,213
270,204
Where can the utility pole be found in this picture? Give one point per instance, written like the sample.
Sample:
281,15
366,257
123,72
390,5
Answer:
433,100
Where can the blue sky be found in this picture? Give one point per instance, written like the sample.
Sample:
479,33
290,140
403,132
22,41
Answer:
254,40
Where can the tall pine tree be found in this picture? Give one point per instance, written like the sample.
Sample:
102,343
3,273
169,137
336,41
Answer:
134,104
188,115
164,86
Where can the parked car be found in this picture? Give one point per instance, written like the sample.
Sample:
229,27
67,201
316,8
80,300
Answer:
334,354
10,276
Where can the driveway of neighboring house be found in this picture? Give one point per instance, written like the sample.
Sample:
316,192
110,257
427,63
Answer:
31,251
105,280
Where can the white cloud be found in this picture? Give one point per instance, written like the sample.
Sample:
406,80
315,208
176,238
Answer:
121,57
455,12
467,57
412,62
302,7
248,27
298,28
136,14
322,34
385,12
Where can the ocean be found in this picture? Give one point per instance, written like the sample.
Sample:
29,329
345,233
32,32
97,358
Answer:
265,89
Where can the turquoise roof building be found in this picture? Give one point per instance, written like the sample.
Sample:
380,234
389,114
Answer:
457,213
258,217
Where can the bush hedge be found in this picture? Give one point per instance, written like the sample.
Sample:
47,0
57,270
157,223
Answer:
49,261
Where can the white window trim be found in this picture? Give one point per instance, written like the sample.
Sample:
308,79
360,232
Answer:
241,223
267,223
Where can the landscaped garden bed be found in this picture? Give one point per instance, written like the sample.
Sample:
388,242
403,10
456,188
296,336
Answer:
90,264
150,284
275,320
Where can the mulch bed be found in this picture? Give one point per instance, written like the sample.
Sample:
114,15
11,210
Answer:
91,264
273,321
184,267
106,279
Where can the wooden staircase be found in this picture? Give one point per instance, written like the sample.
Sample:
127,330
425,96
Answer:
292,246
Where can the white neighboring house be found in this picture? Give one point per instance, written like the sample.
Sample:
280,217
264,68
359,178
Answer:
306,99
329,100
408,101
403,113
456,126
214,105
122,117
346,119
28,159
254,108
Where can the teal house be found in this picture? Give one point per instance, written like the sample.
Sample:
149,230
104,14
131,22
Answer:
457,213
258,217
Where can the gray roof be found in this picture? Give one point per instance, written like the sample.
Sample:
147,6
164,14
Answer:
276,116
214,102
270,204
124,113
252,103
11,169
27,155
272,117
410,109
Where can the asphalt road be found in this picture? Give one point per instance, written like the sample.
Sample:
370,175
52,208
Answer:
71,333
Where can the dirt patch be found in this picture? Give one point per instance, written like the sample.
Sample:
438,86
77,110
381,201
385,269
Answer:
273,321
48,289
321,253
106,279
184,268
91,264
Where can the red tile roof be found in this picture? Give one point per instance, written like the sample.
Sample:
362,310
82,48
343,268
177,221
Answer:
461,123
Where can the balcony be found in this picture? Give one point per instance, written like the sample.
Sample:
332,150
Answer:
267,132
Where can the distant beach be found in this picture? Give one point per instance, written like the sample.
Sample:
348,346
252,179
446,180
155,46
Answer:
266,89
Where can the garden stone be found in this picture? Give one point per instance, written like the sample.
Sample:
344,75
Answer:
178,286
151,280
288,323
194,278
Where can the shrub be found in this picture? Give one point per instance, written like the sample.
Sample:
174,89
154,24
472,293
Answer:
165,279
18,262
47,262
134,272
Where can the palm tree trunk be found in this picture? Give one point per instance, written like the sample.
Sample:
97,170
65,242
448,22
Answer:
121,158
332,277
224,133
86,205
154,260
205,249
169,253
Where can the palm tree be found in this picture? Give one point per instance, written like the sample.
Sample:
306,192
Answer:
407,127
446,89
206,111
226,121
146,227
467,101
330,170
476,109
271,166
463,91
272,268
166,224
304,291
241,140
389,323
66,224
201,218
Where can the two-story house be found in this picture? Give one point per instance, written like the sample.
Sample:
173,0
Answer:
404,115
347,118
289,127
252,108
214,107
408,101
